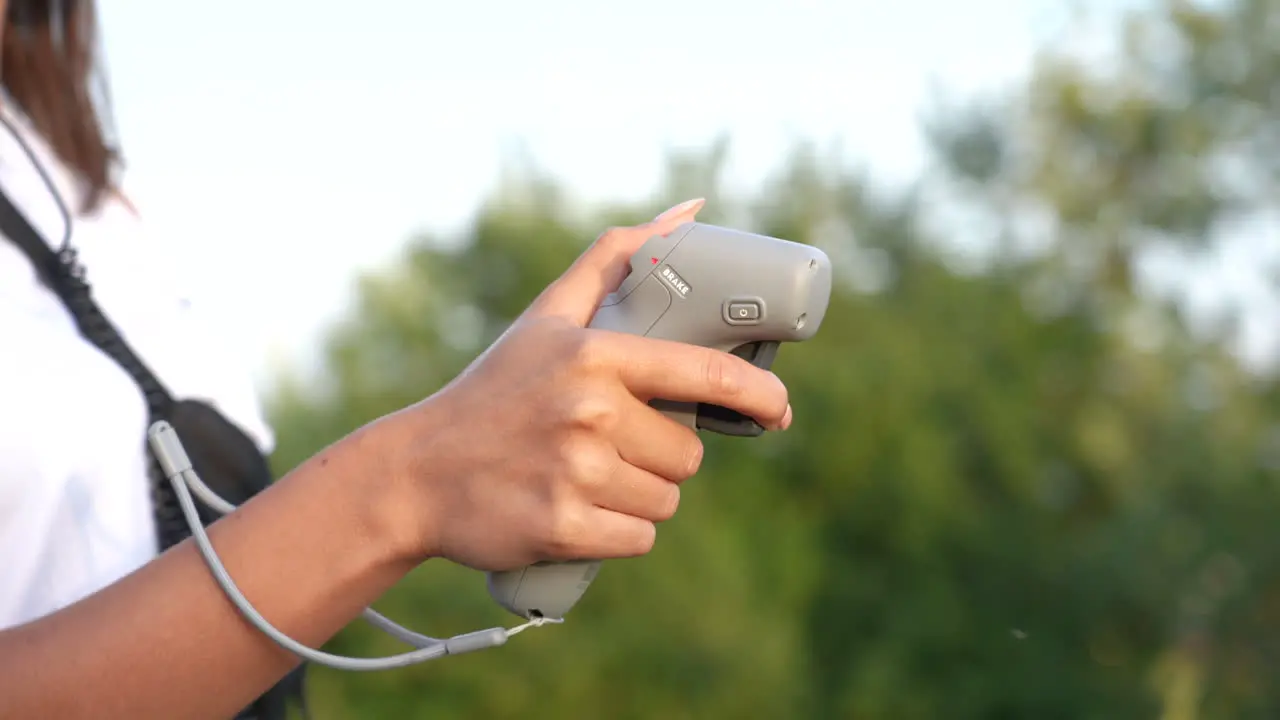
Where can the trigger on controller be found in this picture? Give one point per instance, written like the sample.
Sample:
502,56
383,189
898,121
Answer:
731,422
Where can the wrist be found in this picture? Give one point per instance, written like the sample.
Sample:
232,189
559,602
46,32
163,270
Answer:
399,504
364,472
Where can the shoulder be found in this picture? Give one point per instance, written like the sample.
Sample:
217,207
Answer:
52,380
137,281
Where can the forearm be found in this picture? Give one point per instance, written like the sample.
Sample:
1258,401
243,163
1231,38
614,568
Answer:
309,553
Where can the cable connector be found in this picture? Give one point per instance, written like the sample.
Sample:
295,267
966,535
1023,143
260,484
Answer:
169,451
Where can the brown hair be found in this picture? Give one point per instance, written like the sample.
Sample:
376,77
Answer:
49,66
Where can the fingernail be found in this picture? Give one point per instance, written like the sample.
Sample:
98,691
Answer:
680,209
786,419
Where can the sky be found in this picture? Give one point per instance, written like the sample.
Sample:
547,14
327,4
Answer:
284,146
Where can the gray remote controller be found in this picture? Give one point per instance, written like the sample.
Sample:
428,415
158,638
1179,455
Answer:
703,285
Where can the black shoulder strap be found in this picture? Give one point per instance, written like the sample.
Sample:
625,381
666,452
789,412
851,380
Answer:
63,274
47,263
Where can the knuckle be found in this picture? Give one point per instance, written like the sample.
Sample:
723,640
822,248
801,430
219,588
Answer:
612,237
592,412
566,531
586,350
585,465
613,233
722,375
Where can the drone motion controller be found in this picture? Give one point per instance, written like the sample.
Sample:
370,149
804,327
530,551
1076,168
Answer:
733,291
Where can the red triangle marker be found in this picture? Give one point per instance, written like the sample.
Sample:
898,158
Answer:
653,260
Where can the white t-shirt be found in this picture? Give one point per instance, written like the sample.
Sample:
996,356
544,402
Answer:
75,509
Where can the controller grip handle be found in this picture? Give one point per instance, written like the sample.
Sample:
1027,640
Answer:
544,589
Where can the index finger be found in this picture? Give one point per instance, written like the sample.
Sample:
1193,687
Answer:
577,294
679,372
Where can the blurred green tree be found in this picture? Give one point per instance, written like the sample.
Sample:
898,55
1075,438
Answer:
1020,485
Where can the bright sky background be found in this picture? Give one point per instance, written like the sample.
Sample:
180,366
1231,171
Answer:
283,144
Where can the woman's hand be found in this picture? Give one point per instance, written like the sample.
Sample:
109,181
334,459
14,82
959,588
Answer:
545,447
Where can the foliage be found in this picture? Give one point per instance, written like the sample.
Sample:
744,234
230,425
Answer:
998,500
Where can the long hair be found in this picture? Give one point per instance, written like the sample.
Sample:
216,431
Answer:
51,69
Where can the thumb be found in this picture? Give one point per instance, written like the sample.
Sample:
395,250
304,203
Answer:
600,269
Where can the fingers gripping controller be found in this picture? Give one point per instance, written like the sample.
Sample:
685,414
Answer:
705,285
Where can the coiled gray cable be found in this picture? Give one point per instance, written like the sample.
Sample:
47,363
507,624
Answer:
177,468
